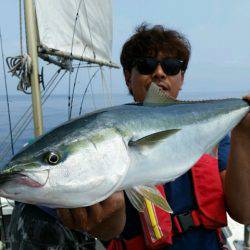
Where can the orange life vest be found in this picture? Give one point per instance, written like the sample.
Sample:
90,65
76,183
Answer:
210,212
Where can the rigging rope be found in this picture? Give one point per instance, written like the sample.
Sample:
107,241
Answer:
71,95
29,118
86,89
73,91
7,95
3,230
111,83
86,66
19,129
20,66
105,86
91,90
89,30
21,26
26,118
44,99
71,53
28,111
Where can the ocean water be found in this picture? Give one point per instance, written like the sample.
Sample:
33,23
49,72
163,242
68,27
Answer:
55,112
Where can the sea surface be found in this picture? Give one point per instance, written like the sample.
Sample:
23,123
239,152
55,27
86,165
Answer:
55,112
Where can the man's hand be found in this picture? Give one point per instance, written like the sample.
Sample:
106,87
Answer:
237,179
244,126
103,220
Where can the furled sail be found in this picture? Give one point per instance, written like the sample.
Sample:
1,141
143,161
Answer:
80,29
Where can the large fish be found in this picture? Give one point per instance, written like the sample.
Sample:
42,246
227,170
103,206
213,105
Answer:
128,147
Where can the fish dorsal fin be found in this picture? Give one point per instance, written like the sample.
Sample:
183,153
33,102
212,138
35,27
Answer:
139,194
156,96
154,138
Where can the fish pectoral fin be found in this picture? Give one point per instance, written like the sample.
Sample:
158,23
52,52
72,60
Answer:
136,199
153,138
139,194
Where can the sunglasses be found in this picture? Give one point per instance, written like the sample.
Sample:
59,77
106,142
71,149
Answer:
147,66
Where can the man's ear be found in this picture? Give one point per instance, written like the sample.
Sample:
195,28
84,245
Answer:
182,78
182,75
127,76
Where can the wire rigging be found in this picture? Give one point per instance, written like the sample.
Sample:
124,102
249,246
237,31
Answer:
44,99
105,88
28,111
110,84
74,85
91,90
12,145
25,120
86,89
21,26
20,67
92,44
7,95
84,66
71,53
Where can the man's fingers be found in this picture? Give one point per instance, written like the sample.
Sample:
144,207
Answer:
80,217
89,218
75,218
243,128
95,216
102,211
66,217
113,203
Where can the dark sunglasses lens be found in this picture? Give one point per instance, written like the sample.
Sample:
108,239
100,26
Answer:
171,66
146,66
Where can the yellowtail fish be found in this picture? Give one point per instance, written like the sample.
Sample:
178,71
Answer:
129,147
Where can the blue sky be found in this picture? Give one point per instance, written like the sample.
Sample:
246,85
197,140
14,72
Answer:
217,29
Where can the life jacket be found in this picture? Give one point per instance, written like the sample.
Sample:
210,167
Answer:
159,226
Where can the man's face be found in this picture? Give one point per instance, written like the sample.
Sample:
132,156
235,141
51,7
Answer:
139,84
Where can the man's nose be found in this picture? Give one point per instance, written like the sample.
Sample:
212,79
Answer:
159,73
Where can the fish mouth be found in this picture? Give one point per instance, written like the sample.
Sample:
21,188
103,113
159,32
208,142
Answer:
25,178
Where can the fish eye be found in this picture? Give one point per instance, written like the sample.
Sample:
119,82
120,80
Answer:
52,158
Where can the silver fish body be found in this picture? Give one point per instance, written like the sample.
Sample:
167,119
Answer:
116,149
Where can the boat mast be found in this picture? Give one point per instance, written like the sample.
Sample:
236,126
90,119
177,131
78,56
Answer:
31,40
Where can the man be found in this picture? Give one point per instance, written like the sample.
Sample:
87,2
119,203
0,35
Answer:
152,55
160,55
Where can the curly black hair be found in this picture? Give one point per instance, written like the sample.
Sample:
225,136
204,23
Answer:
148,41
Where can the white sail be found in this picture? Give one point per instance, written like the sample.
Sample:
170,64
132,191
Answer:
88,38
